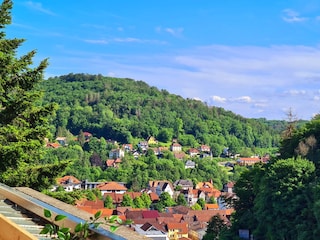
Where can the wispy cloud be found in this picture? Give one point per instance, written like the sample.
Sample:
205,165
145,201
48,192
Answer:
38,7
247,80
176,32
93,41
292,16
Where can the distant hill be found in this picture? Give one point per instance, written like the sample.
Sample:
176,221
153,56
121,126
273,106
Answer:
127,110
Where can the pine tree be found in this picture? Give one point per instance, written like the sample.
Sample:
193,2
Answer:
24,123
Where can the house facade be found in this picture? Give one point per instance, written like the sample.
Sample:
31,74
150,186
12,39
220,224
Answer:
112,187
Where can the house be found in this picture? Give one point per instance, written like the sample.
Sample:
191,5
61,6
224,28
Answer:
116,153
113,163
209,190
191,196
189,164
228,187
152,141
205,148
143,145
175,147
159,187
193,152
177,230
179,155
110,187
69,183
248,161
151,230
53,145
127,147
89,185
183,184
117,198
87,136
62,141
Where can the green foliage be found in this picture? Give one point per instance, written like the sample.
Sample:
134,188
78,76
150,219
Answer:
108,202
138,202
196,206
201,202
24,123
127,201
273,198
146,200
82,230
181,200
71,197
123,115
216,227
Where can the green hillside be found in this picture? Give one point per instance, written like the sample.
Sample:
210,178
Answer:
126,110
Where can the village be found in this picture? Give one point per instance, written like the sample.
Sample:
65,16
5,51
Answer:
174,222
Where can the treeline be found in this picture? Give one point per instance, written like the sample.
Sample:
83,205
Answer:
127,111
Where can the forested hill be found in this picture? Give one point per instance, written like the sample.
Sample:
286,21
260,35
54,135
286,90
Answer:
127,110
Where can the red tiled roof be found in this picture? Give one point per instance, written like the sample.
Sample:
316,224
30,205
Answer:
68,179
182,227
112,186
53,145
210,206
153,196
112,162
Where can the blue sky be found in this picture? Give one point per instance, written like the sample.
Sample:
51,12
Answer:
254,58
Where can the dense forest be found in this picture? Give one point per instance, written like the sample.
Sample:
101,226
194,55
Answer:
128,111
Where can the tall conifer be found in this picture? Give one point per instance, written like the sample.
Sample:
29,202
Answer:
23,121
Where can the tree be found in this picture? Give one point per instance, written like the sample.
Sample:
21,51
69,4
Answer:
138,203
108,202
215,227
24,124
146,200
201,202
127,201
196,206
280,203
181,200
166,200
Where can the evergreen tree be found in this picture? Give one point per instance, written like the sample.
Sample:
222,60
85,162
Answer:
23,123
215,227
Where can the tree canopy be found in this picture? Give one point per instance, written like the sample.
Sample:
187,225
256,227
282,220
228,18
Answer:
24,123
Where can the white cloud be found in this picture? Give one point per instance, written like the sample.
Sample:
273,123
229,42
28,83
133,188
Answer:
219,99
38,7
292,16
